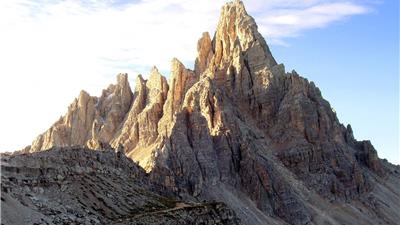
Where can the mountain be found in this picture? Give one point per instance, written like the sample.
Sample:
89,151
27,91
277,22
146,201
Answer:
238,129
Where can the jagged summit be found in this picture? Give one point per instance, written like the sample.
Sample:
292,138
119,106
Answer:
236,29
241,130
236,36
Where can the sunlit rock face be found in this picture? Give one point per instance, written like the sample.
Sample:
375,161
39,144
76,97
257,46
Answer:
239,129
91,121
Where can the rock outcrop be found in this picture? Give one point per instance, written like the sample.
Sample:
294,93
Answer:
90,120
140,129
241,130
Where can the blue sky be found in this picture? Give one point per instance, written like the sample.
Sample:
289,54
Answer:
53,49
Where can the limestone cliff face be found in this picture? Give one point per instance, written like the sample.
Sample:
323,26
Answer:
238,129
90,120
181,79
140,129
117,118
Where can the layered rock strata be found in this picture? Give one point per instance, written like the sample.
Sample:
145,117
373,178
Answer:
78,186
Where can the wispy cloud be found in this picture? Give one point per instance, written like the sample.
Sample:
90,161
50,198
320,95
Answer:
52,49
290,22
147,32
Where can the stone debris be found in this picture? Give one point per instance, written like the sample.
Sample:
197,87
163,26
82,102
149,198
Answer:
75,185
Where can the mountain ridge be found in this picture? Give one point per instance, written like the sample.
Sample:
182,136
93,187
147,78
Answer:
237,129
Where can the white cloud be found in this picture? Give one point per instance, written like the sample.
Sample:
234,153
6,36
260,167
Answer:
290,22
52,49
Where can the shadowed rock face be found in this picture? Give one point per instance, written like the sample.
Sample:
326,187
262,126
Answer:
239,129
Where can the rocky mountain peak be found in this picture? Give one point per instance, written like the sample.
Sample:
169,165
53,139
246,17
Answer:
237,31
120,89
90,121
157,85
82,104
204,53
154,76
237,59
122,79
181,80
83,96
139,83
238,129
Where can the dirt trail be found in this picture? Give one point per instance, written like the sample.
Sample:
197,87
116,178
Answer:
178,206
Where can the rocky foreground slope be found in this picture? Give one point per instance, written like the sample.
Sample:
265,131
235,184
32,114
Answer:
241,130
81,186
